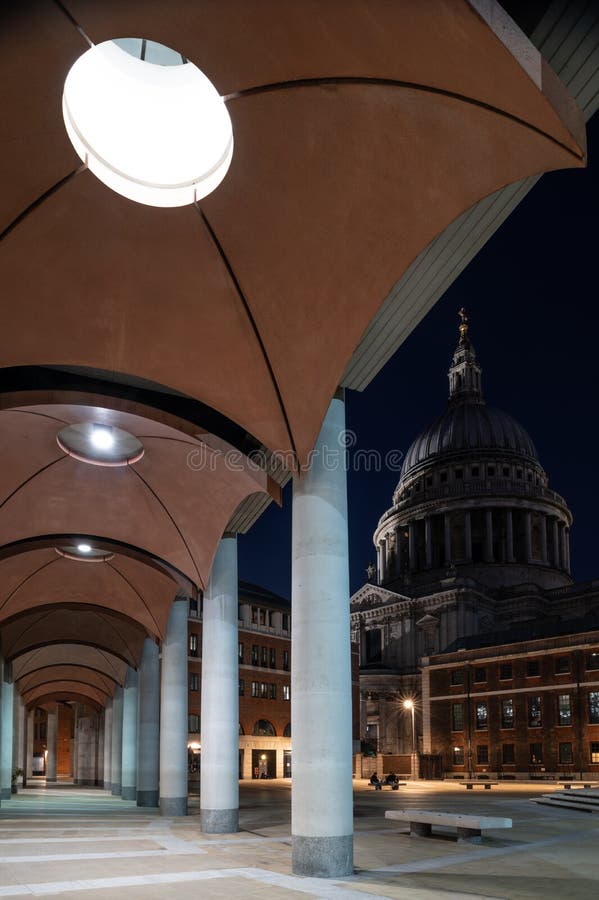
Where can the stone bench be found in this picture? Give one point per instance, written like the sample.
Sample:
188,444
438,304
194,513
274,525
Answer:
472,784
394,785
570,784
469,828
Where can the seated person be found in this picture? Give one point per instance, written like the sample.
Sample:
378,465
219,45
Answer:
374,779
391,778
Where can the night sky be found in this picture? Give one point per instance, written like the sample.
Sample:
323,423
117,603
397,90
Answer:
531,296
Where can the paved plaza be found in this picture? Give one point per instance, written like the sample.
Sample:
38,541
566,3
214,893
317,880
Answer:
68,841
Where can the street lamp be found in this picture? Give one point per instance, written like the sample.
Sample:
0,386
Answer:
409,704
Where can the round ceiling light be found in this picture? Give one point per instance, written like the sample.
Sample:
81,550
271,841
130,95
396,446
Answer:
101,445
155,132
84,552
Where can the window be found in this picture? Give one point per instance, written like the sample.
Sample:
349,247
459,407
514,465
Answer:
532,668
271,618
507,713
285,622
240,652
491,471
262,616
287,730
475,471
285,660
508,754
272,691
458,756
594,707
194,681
518,473
565,754
505,671
595,751
429,481
255,689
481,715
457,717
254,654
193,608
480,675
193,724
536,754
254,615
264,656
506,471
193,645
457,676
562,665
534,712
443,477
263,690
564,710
264,728
459,474
241,687
593,660
482,754
286,692
273,658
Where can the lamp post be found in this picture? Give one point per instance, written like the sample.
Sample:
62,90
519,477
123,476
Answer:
409,704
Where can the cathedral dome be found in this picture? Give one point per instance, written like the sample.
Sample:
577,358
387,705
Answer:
466,426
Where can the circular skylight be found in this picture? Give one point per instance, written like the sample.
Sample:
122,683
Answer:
156,132
99,444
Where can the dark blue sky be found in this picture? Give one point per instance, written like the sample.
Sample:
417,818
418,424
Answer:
531,294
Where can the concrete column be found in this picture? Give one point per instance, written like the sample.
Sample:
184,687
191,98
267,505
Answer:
100,749
219,794
321,798
148,743
173,714
116,751
51,732
527,537
18,743
509,536
398,549
468,535
428,541
447,537
87,734
108,746
129,762
384,573
412,546
544,556
29,766
6,732
555,542
489,535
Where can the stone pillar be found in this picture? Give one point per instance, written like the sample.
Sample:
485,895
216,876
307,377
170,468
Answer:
527,536
428,541
447,537
100,749
6,722
87,734
18,740
468,535
29,751
555,542
116,750
567,550
107,783
51,732
399,538
129,762
509,537
384,573
219,793
173,713
413,562
544,555
321,704
148,744
489,535
379,565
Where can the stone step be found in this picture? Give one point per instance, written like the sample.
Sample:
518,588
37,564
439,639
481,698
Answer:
566,801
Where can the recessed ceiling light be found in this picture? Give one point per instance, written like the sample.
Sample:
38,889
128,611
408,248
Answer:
84,548
102,437
154,132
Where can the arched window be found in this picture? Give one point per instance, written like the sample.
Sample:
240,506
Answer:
241,731
287,730
264,728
